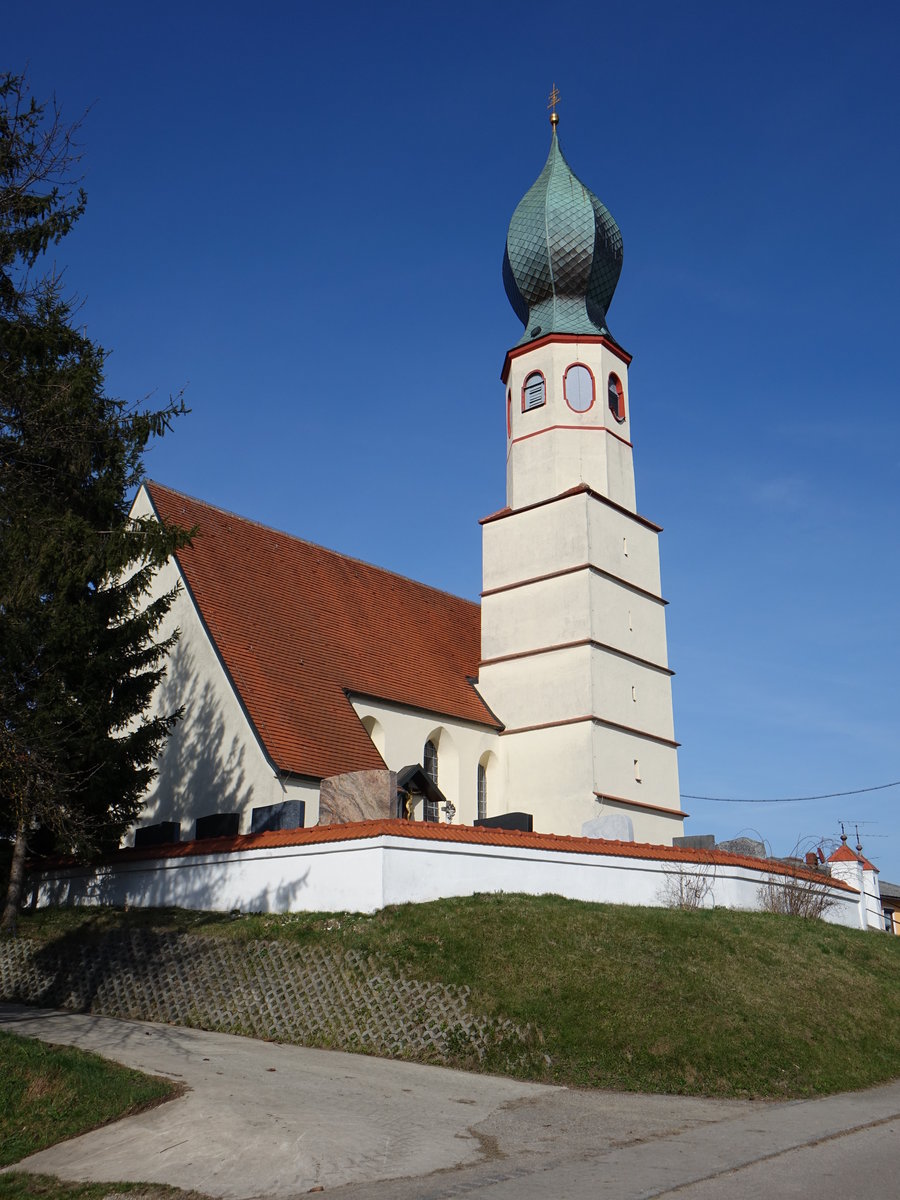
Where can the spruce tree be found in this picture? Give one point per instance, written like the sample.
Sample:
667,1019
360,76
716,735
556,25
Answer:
81,652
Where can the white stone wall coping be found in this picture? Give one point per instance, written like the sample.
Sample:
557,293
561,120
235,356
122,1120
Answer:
395,833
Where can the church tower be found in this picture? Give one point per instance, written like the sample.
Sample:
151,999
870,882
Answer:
574,658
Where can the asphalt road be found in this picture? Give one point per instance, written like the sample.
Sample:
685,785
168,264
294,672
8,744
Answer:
266,1120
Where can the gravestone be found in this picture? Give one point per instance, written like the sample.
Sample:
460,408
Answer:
162,834
613,827
749,847
522,822
217,825
271,818
357,796
696,841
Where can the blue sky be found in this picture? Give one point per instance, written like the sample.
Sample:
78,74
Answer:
297,214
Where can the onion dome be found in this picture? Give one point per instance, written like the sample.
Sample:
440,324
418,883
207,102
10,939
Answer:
563,254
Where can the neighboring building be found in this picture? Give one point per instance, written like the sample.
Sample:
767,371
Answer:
318,688
890,905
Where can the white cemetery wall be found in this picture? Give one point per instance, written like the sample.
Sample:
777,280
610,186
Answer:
364,874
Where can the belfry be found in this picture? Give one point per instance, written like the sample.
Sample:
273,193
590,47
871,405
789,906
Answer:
573,634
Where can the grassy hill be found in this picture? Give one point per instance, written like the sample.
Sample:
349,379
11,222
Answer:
710,1002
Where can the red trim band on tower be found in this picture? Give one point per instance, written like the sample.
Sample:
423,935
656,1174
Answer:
587,339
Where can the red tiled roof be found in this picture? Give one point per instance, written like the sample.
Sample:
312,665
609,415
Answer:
298,626
845,854
480,836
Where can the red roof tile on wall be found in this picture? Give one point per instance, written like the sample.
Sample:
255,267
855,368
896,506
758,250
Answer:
297,626
845,854
472,835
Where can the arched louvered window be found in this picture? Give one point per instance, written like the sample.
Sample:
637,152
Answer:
482,792
616,398
534,391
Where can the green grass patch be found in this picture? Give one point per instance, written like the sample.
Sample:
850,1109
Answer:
644,999
49,1093
18,1185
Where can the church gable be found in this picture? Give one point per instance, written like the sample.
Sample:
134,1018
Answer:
298,627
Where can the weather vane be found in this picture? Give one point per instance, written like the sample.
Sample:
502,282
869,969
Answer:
554,100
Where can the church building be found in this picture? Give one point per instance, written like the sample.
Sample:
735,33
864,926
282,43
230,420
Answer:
319,689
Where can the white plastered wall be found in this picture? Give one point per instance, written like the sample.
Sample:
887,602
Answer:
401,733
212,762
578,681
871,914
576,570
630,620
552,774
331,877
366,874
630,694
549,773
650,827
567,532
871,894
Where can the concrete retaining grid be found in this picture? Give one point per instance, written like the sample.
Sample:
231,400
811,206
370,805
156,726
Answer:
273,990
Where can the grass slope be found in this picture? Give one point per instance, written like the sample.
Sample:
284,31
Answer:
49,1093
18,1185
710,1002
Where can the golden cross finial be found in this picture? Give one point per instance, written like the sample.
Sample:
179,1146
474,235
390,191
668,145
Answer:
554,100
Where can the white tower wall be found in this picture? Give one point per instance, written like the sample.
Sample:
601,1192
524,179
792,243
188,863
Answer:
553,446
574,656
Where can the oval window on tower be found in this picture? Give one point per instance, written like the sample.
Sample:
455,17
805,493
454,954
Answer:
616,398
533,391
578,386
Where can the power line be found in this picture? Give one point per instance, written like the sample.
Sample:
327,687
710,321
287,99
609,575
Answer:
792,799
